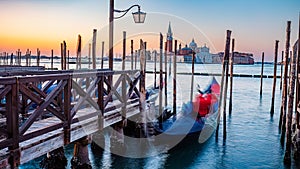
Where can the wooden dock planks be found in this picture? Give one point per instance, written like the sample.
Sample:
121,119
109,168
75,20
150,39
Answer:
37,146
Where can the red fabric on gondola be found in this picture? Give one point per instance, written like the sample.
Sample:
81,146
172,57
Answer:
203,102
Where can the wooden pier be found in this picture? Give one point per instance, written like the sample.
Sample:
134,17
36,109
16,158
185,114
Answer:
43,111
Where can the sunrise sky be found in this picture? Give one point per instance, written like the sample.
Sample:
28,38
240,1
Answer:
44,24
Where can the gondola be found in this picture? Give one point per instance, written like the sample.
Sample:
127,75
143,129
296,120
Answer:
196,121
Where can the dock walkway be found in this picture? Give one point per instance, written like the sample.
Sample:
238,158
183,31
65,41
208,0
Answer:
40,113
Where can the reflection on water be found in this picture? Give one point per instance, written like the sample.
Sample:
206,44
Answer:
252,141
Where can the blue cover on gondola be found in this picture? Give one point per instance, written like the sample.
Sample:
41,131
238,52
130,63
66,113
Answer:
184,123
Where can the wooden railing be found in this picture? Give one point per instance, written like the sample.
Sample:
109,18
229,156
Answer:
27,100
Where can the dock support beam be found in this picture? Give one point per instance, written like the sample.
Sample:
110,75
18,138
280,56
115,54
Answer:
12,121
55,159
81,154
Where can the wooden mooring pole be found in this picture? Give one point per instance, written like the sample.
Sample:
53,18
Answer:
38,57
124,79
174,78
262,73
102,55
142,83
68,59
89,55
78,53
135,58
296,141
29,58
160,78
94,48
6,58
298,71
20,59
7,55
282,121
227,48
63,48
274,79
28,55
131,52
52,57
282,54
193,71
155,60
124,51
64,55
222,90
287,154
16,59
61,56
231,77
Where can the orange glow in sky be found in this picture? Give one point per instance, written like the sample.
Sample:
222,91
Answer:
255,24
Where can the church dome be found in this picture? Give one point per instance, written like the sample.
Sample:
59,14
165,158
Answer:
193,44
185,51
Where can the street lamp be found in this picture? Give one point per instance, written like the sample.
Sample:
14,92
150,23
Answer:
139,17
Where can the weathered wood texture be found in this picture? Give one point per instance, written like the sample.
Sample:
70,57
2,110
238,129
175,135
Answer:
226,58
298,72
174,78
94,48
274,79
160,75
231,76
283,109
60,110
192,78
281,66
223,89
78,53
262,73
290,109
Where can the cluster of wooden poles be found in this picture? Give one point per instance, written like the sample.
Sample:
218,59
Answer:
288,90
228,59
6,59
287,85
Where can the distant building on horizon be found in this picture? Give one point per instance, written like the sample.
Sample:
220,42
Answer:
203,55
239,58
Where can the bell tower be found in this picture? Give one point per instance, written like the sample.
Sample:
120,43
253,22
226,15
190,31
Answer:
169,39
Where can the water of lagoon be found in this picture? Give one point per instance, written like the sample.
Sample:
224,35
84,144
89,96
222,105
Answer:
253,139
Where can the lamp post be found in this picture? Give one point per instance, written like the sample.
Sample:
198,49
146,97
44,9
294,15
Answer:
139,17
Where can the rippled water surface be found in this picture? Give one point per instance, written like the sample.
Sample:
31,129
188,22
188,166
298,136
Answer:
253,140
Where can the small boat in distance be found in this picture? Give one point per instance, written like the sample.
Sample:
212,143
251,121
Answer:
118,59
